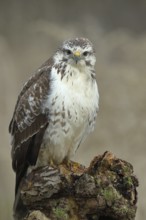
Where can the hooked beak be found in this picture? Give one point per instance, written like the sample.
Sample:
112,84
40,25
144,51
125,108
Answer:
77,56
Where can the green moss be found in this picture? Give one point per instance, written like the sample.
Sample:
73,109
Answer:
127,169
110,195
125,210
128,182
121,210
60,214
98,181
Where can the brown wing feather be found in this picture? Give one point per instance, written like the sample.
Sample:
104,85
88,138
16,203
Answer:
28,124
33,79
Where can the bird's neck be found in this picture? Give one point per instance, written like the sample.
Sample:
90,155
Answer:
69,71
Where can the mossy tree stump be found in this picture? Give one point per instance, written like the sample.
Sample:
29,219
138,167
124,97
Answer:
106,190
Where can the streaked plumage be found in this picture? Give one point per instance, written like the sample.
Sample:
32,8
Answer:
56,108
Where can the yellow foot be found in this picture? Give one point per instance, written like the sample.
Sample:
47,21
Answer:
52,164
68,167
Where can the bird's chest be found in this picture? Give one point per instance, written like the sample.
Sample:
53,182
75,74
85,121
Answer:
71,100
67,111
71,108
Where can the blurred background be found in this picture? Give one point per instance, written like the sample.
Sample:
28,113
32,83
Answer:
30,32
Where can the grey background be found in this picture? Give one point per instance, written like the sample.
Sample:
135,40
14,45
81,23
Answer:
30,32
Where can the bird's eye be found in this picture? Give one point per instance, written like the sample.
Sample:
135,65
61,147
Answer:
68,52
85,53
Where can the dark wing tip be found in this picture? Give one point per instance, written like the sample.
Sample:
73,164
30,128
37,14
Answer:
10,126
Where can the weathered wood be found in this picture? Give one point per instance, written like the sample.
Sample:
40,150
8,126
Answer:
104,191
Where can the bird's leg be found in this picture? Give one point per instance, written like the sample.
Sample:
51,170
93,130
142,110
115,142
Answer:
72,166
63,167
68,164
52,164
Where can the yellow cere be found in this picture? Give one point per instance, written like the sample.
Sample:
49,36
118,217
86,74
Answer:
77,53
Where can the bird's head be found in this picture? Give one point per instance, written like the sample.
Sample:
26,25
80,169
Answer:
76,52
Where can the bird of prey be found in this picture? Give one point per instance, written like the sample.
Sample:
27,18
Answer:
56,109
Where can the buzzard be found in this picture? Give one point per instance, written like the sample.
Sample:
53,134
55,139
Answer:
56,109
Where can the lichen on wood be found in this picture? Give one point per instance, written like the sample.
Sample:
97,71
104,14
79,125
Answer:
106,190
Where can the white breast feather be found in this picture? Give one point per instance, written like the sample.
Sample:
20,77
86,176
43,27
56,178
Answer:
77,97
